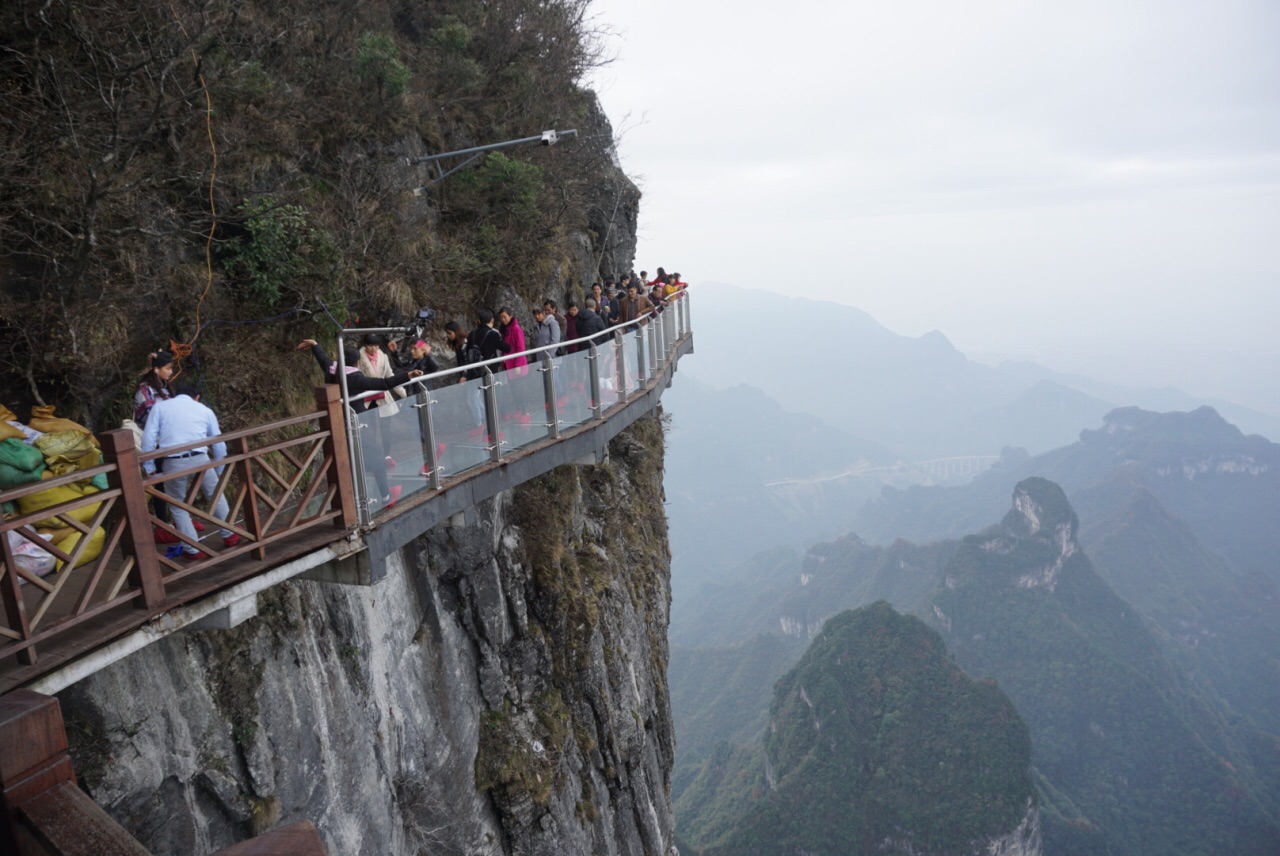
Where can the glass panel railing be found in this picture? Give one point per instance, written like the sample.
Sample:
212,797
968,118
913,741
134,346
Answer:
522,409
395,445
403,437
631,360
573,388
458,419
370,454
608,360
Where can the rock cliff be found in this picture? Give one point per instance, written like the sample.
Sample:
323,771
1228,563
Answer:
502,691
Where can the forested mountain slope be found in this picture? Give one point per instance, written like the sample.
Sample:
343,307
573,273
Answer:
234,176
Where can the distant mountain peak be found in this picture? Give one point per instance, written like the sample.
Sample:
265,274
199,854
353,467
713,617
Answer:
1203,423
1040,528
1039,505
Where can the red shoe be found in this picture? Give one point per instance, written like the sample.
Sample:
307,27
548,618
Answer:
197,524
194,557
231,540
391,462
394,496
163,536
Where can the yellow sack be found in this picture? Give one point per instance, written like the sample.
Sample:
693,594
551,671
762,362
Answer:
7,431
52,496
68,545
67,451
42,419
6,414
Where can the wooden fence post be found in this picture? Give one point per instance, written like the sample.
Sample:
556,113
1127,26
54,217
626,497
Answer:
33,757
140,541
333,420
252,519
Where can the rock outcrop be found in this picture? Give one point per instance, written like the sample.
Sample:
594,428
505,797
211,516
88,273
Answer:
503,690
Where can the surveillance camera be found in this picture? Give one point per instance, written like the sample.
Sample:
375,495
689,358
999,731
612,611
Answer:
549,138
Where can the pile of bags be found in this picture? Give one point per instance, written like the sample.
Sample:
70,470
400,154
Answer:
45,447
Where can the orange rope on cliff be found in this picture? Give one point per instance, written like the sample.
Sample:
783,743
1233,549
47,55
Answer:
182,350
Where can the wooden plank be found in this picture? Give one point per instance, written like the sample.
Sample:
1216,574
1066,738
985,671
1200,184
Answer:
296,839
68,823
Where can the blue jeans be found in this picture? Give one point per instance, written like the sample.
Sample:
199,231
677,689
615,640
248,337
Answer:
176,488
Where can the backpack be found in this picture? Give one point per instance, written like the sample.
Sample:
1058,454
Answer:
471,354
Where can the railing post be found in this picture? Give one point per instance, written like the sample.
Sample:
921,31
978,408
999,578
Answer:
333,420
618,344
662,339
653,348
491,414
359,490
597,406
118,449
549,391
15,610
668,330
252,518
427,425
642,368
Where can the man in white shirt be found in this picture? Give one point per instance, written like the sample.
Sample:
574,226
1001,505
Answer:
179,421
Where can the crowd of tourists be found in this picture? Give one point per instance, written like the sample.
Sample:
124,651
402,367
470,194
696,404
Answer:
170,414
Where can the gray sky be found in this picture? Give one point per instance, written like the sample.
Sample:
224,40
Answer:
1056,181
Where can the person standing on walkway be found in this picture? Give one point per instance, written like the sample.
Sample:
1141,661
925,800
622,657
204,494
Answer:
549,307
634,305
179,421
154,387
375,363
357,383
548,331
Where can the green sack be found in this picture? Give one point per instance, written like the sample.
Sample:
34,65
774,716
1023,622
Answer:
19,455
8,509
99,481
13,477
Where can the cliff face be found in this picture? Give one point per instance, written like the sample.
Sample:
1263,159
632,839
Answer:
503,690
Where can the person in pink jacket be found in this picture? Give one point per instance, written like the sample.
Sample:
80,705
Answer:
513,335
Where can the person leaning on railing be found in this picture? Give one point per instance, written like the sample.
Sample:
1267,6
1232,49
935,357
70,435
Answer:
358,383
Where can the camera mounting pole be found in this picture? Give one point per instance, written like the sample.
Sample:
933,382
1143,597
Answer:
473,154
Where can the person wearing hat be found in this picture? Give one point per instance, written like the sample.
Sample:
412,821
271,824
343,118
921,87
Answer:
419,357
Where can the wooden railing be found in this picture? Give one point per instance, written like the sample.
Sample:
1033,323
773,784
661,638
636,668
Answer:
279,479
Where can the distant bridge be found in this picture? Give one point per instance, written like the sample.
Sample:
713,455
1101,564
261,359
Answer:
937,469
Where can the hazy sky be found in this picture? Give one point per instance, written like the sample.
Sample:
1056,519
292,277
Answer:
1050,180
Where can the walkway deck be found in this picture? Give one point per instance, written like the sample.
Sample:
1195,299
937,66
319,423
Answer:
293,501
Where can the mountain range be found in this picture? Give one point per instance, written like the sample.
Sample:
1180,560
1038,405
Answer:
1143,659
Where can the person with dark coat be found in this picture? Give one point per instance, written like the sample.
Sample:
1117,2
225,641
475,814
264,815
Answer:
418,359
487,340
589,321
358,383
570,327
